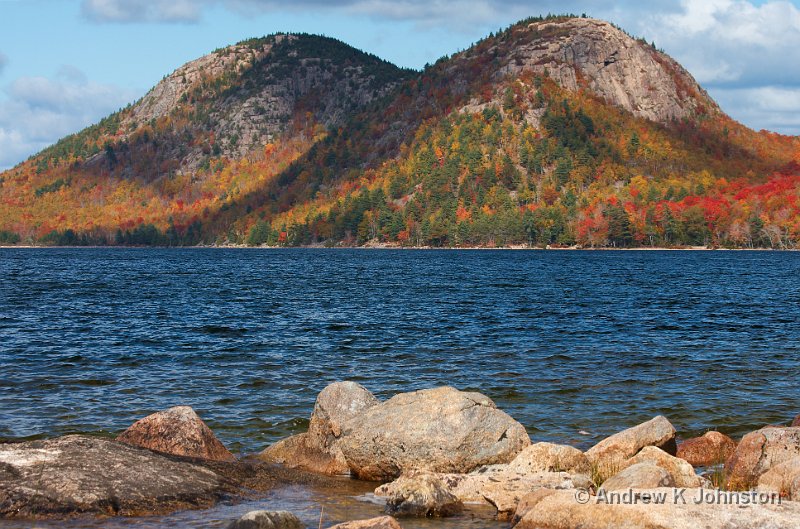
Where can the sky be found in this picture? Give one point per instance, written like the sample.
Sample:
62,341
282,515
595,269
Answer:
64,64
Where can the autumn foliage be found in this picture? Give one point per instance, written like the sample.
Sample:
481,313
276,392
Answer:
495,162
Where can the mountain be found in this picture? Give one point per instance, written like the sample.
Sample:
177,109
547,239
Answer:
557,131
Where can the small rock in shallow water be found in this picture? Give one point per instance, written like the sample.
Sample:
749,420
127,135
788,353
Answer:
176,431
267,520
384,522
422,496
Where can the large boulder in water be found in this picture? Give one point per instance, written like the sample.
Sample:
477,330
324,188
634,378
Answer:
711,449
176,431
440,430
77,474
317,450
758,452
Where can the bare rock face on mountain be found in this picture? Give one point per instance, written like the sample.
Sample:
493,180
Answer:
441,430
176,431
76,474
240,98
595,55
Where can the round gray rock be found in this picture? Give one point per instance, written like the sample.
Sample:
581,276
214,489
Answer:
440,430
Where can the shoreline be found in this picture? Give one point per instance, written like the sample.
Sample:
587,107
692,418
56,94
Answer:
414,248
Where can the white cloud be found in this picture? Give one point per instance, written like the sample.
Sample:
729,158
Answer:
732,42
39,111
143,10
447,13
770,108
3,62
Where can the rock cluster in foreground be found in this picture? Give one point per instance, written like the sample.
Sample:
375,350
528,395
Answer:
440,430
432,446
436,451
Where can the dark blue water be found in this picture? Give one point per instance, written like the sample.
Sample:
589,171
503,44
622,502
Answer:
566,342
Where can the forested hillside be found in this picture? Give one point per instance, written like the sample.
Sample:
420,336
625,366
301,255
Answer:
558,131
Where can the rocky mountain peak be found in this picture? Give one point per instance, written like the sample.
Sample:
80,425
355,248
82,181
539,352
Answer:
596,55
245,96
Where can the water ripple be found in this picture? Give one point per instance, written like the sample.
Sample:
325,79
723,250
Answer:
91,340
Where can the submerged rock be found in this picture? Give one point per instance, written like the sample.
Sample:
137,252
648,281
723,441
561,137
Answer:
267,520
796,422
424,495
613,451
440,430
383,522
758,452
77,474
176,431
712,448
317,450
664,508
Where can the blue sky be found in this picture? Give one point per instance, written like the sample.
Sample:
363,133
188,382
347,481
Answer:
66,63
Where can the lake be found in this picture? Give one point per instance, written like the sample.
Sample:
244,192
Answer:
575,345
